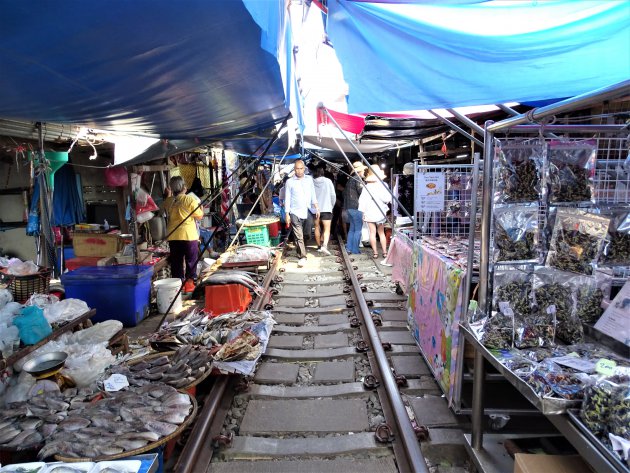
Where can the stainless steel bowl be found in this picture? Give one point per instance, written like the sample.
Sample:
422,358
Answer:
46,363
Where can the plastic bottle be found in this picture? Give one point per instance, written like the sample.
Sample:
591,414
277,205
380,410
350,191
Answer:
106,225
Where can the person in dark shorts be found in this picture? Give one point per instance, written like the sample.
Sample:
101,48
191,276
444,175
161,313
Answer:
325,192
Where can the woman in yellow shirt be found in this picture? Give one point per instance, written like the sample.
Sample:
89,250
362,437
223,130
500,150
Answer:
183,237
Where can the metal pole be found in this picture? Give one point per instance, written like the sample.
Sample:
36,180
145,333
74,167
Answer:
575,103
477,402
508,110
365,161
464,119
452,125
410,441
471,235
486,216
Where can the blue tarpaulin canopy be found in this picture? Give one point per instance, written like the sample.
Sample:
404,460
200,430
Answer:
400,56
176,70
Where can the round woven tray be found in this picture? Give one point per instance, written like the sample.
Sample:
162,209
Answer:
138,451
169,354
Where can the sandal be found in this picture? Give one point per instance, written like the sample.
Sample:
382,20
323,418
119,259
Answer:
375,255
385,255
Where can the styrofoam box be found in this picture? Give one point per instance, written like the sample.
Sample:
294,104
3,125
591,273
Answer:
33,466
82,466
124,466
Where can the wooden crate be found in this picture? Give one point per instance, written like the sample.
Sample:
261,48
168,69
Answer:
96,244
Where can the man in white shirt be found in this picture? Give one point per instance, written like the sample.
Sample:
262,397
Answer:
299,197
325,193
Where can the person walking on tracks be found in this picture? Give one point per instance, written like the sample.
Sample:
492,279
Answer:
351,194
299,197
326,197
373,202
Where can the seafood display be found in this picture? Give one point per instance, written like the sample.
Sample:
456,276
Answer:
179,369
78,423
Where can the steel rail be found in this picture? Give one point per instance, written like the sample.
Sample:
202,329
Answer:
408,436
198,436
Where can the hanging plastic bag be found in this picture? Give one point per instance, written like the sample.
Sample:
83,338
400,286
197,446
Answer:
518,172
116,176
516,234
144,202
32,324
571,171
617,247
555,306
577,240
589,293
5,297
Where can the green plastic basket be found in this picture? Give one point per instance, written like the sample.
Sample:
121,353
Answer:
275,241
258,235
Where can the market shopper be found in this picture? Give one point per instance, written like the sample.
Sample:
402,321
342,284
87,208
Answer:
351,194
183,236
325,193
373,202
299,197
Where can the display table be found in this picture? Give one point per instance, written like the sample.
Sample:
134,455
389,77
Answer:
587,446
434,310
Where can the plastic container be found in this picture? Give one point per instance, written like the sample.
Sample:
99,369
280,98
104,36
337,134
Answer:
274,229
84,467
224,298
124,466
17,467
166,290
275,241
258,235
116,292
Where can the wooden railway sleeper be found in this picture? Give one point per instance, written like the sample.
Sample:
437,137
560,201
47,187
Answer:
384,433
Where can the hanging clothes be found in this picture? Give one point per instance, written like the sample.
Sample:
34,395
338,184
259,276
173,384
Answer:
67,198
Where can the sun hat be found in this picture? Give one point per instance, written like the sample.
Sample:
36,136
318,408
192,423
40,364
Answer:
373,171
359,166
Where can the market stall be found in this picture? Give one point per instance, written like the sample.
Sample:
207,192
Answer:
553,243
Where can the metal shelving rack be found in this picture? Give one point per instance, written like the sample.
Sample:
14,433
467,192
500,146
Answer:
486,455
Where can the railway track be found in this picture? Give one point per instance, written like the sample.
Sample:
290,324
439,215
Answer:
341,387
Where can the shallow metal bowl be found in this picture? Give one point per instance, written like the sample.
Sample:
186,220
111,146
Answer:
46,363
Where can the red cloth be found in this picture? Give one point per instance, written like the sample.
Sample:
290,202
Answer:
81,261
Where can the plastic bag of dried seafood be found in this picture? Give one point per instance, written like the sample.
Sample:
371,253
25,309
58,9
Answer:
617,247
513,286
571,170
515,361
458,181
516,237
549,379
497,331
619,418
589,293
598,399
553,295
518,170
577,240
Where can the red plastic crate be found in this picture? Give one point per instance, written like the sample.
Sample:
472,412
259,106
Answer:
227,298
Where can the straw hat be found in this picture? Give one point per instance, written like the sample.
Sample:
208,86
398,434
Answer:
373,171
359,167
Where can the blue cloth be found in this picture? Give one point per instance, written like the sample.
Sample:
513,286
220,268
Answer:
67,198
354,233
299,196
419,56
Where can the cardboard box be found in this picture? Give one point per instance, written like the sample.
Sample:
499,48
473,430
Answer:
96,244
526,463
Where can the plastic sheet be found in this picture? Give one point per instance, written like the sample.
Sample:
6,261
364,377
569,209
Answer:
65,311
19,268
5,297
32,324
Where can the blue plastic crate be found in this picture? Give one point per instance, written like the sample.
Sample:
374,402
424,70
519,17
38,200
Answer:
116,292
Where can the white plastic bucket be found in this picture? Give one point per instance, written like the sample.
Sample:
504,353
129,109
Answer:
166,289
